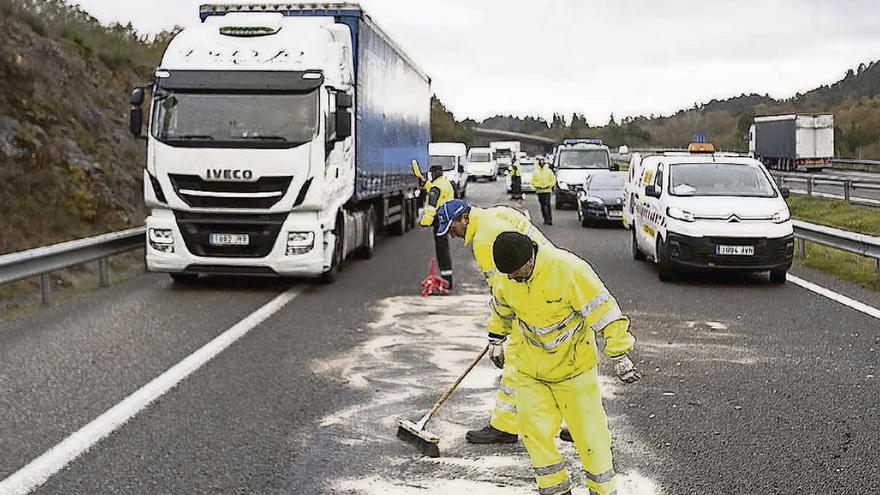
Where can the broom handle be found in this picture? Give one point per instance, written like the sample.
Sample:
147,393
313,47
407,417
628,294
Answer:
452,387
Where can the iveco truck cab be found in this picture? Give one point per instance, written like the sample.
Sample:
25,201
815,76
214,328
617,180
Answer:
706,210
280,141
574,161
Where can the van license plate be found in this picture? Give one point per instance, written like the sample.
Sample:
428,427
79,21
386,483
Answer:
735,250
229,239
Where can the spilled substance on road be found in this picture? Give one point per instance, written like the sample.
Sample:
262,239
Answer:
417,346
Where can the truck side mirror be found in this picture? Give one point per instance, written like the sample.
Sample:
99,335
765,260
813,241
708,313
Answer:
135,117
343,124
786,192
652,191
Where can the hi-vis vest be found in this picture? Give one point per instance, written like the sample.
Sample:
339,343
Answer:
543,179
484,226
553,317
439,191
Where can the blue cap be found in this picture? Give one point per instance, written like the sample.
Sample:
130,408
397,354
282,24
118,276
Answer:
448,212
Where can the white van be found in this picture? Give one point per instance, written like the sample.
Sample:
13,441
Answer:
453,158
574,161
707,210
481,164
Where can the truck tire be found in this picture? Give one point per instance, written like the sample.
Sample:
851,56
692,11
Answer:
365,252
330,275
637,253
184,278
399,227
413,212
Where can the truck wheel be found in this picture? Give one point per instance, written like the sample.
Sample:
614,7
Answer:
399,227
330,275
413,213
778,276
637,253
366,251
184,278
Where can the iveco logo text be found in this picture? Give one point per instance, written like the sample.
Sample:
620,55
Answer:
229,174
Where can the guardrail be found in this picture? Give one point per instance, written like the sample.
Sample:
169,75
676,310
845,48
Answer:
42,261
844,240
849,185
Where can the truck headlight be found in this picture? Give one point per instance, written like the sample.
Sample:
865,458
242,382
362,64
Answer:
161,240
679,214
300,242
781,216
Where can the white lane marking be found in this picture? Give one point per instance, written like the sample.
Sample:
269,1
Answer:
53,460
834,296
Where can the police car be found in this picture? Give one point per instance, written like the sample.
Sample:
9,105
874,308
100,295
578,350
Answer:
708,210
574,162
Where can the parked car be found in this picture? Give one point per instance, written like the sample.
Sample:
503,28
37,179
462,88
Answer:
601,199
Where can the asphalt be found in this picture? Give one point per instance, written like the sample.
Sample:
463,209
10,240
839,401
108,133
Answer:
748,387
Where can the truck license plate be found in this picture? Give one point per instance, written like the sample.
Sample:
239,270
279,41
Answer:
735,250
229,239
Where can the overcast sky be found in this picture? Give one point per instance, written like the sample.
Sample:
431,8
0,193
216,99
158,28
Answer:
629,57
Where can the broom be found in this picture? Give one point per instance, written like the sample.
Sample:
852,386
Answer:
416,434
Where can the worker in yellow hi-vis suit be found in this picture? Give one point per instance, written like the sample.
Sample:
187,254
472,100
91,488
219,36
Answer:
550,305
543,179
479,227
439,191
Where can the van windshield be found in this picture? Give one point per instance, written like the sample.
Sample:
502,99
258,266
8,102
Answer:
583,159
719,179
447,162
480,157
235,119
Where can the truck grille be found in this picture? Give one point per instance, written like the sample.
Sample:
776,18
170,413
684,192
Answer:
260,194
262,231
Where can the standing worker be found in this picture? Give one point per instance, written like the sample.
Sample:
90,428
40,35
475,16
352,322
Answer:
439,192
543,180
479,227
515,181
550,305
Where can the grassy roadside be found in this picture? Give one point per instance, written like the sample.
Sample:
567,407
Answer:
842,215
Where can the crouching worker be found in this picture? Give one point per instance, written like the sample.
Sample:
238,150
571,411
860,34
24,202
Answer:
552,304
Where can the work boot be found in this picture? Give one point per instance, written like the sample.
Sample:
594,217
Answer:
565,435
490,434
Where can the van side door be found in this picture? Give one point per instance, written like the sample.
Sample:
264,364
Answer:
654,220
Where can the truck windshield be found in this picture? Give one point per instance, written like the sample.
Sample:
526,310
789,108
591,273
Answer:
239,119
719,179
480,157
583,159
447,162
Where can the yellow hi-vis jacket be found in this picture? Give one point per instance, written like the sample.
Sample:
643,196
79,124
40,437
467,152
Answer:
439,191
484,226
517,171
543,179
554,317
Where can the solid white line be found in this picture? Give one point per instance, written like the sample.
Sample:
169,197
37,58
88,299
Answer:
53,460
834,296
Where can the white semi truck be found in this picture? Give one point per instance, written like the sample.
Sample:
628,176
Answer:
280,141
505,152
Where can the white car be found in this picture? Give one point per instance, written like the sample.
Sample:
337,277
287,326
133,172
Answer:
481,164
527,168
453,158
706,210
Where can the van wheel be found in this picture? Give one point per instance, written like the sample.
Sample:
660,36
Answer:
637,253
366,251
778,276
184,278
665,270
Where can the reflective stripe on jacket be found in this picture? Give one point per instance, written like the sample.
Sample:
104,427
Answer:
543,179
554,316
439,191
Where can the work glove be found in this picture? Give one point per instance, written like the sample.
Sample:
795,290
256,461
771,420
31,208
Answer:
496,354
625,369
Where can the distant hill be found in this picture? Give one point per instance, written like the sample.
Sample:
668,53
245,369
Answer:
854,101
68,167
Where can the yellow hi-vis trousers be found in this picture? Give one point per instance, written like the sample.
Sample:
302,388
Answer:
542,406
504,415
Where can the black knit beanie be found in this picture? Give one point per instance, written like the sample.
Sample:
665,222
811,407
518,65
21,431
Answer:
511,251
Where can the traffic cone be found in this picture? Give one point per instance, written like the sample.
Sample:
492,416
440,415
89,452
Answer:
433,284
